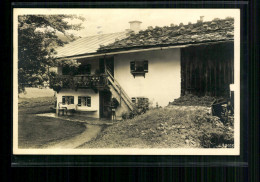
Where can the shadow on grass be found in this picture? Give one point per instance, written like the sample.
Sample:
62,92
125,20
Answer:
36,131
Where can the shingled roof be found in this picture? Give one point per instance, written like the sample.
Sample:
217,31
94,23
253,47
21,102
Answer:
200,32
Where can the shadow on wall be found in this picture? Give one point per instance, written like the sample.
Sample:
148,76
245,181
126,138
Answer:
37,92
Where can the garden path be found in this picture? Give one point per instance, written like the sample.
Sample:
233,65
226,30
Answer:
91,132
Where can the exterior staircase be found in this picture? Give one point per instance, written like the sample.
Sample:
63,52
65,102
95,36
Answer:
125,103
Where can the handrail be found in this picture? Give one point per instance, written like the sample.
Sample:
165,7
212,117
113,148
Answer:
118,91
119,88
117,84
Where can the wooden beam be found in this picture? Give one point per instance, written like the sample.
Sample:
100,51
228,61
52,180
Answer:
105,64
206,77
215,75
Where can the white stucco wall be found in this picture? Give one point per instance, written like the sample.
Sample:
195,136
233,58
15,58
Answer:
161,84
93,110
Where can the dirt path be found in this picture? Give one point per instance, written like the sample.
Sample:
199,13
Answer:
90,133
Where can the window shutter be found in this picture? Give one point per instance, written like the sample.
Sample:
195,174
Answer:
146,66
79,101
132,66
63,99
72,100
89,101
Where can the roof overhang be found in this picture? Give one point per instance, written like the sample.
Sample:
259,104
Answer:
141,50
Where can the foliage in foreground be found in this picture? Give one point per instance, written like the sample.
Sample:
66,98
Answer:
139,108
170,127
37,37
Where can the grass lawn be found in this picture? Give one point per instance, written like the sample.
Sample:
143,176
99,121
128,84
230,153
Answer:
35,105
36,131
170,127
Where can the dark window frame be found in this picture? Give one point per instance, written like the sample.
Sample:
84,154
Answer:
139,67
67,100
84,101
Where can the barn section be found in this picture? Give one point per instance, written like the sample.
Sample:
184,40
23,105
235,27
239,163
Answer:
207,53
207,69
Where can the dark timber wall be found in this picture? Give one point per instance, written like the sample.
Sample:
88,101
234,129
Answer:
207,70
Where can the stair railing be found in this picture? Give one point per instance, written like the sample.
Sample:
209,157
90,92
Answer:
120,90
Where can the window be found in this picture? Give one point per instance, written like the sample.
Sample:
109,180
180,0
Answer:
67,100
84,69
84,101
133,100
139,67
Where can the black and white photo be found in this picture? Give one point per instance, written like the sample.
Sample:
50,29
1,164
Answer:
126,81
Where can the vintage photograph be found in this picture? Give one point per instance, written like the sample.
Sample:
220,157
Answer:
126,81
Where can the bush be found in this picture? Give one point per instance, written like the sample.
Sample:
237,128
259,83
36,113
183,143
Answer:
140,108
216,138
131,114
142,105
212,133
125,115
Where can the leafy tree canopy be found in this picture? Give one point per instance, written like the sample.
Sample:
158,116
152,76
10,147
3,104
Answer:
37,39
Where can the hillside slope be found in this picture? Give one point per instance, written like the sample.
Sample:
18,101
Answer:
169,127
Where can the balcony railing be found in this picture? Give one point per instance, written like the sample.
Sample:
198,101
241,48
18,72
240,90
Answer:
86,81
95,82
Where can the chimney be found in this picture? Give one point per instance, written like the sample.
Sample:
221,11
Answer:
135,26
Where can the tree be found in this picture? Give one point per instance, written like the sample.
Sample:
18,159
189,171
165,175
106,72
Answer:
37,38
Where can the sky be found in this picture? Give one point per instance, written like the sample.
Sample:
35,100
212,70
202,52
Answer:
117,20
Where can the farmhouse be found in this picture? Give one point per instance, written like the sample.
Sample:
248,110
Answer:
158,65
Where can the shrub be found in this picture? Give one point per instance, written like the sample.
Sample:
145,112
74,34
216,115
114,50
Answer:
212,133
142,105
125,115
216,138
131,114
140,108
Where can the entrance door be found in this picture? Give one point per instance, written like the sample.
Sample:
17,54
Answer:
104,104
109,65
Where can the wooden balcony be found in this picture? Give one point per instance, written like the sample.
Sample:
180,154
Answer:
89,81
95,82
